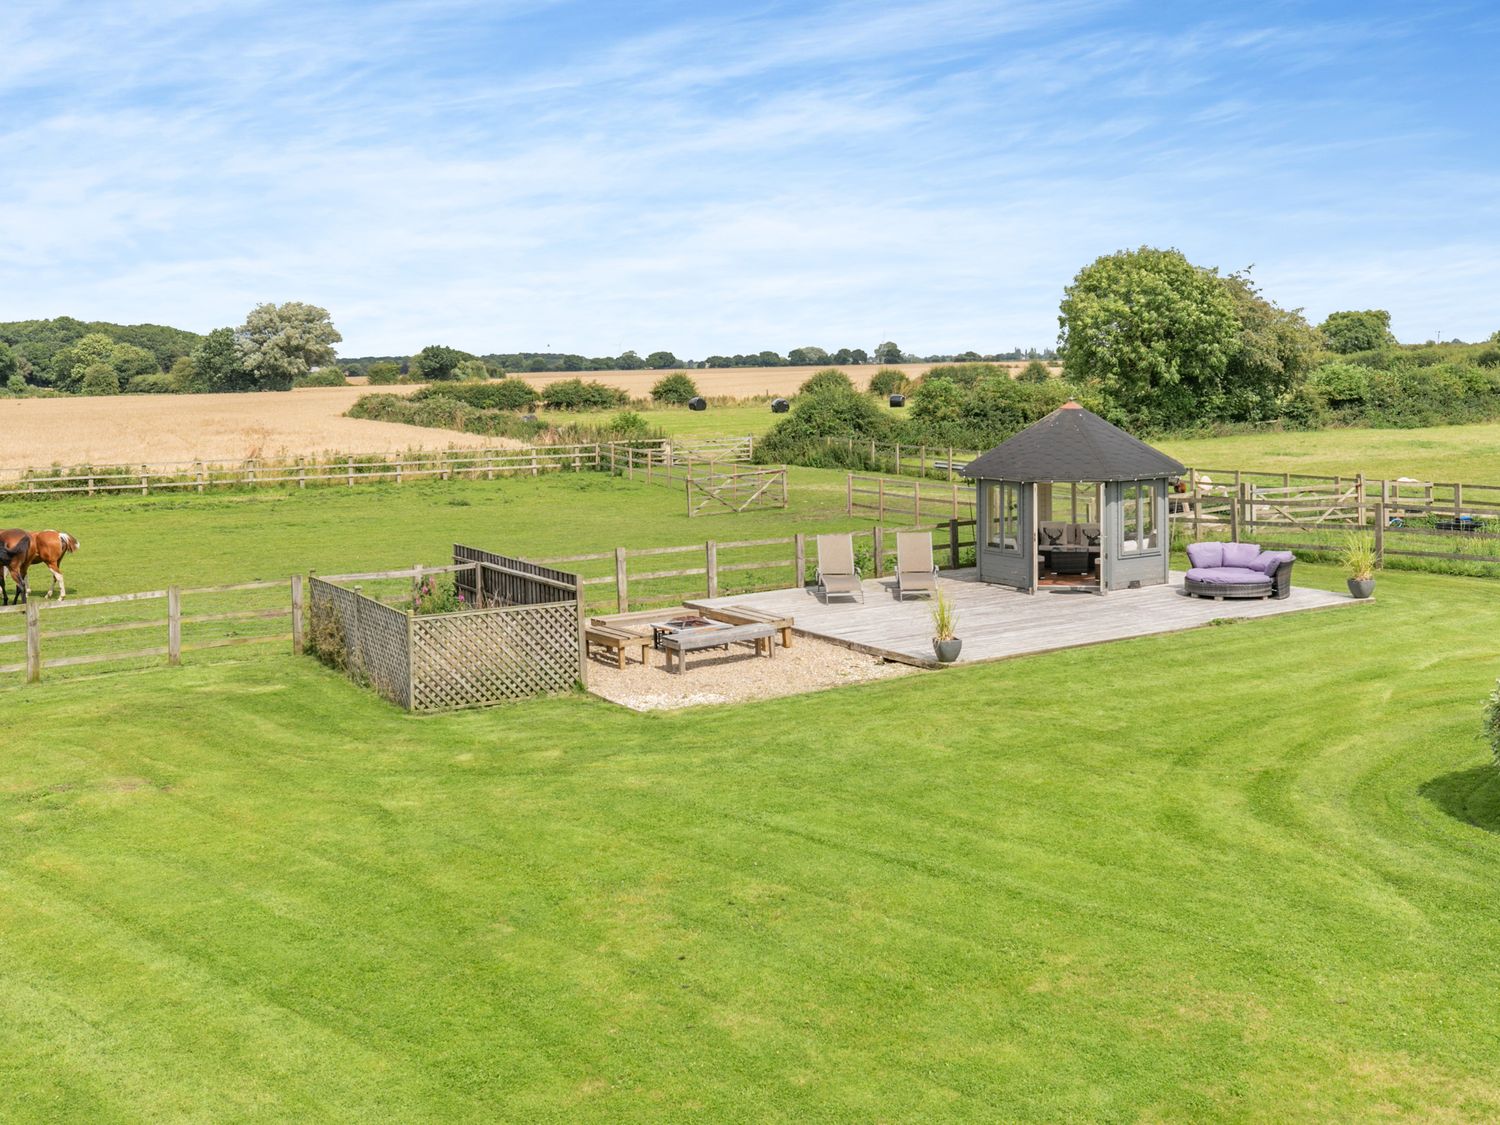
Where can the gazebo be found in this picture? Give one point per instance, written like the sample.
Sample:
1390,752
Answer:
1072,502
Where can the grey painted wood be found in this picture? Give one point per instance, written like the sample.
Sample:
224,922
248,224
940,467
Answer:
996,622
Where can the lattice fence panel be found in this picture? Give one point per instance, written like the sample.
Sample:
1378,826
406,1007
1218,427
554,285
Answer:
372,638
490,656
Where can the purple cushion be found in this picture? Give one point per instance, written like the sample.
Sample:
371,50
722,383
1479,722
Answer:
1206,554
1241,554
1270,560
1225,575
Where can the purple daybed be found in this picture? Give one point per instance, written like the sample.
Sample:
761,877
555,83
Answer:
1238,570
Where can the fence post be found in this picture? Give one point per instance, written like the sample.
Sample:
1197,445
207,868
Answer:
622,588
879,541
711,567
301,474
145,479
783,486
953,543
1458,501
350,466
880,498
898,458
1380,521
950,462
916,494
33,642
849,494
1234,513
297,615
799,551
198,472
416,585
583,634
174,625
953,487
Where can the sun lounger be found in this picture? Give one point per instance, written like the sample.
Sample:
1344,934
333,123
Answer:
916,573
837,574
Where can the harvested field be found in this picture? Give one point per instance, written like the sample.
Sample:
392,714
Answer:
159,429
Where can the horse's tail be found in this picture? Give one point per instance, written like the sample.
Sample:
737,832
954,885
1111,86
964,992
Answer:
68,542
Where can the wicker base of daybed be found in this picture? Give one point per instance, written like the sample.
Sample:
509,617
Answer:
1221,590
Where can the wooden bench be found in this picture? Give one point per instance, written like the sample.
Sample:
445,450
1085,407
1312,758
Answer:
747,615
692,640
621,640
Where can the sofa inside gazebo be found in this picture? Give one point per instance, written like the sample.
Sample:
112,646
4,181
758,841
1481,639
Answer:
1073,502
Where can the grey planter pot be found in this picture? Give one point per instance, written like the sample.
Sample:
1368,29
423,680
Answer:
947,651
1362,587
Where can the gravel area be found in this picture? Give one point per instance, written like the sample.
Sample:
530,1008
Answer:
714,677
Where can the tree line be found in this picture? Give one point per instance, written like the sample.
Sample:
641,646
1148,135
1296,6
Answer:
446,360
276,348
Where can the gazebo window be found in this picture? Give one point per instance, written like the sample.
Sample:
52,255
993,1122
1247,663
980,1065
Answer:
1138,530
1004,511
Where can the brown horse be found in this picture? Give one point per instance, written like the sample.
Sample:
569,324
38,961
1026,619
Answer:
47,548
15,550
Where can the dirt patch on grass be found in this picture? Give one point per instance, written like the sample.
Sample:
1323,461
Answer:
738,676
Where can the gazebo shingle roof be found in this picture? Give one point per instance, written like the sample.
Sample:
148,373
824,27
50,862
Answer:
1072,444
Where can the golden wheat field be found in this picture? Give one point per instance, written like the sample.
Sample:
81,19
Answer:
161,429
166,429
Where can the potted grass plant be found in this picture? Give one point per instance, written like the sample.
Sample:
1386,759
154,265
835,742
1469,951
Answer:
944,628
1358,557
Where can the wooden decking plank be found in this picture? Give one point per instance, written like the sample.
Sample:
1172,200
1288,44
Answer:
997,623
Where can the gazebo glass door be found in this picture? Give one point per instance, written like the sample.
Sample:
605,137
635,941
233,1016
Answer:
1007,547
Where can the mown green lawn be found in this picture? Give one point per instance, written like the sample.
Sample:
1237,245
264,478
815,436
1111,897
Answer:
1245,872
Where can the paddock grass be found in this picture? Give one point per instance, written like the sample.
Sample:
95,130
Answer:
1467,454
152,541
1246,872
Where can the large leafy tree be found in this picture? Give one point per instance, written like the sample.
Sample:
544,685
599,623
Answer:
1275,351
437,362
888,352
280,343
1152,333
218,365
1357,331
660,361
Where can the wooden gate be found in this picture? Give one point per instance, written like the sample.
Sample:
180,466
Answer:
713,491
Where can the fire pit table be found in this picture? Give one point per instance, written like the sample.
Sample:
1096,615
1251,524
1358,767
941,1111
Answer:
681,624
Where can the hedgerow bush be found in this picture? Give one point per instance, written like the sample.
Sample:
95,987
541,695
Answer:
155,383
828,379
384,373
832,409
888,381
575,394
674,389
323,377
967,374
100,379
441,409
496,394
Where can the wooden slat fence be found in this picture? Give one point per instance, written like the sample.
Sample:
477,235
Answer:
647,577
885,498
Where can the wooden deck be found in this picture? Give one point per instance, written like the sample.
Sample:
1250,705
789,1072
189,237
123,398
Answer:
996,622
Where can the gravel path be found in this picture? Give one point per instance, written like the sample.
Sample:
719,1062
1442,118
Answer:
714,677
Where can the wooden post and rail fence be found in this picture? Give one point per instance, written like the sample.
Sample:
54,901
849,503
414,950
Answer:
667,457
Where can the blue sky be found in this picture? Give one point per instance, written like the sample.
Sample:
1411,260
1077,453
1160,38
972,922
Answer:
526,175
